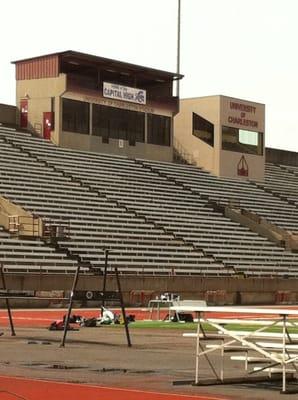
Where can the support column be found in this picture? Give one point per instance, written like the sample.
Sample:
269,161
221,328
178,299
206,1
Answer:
146,129
198,349
66,320
90,125
284,332
7,302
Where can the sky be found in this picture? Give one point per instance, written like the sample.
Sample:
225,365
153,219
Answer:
239,48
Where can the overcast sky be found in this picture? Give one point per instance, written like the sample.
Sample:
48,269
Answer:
239,48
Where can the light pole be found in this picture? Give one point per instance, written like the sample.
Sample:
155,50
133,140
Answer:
178,47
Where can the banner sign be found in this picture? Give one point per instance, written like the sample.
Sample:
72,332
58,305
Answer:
124,93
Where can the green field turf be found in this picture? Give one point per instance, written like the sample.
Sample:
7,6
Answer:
192,326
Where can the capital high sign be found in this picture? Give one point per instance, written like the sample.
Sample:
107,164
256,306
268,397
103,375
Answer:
124,93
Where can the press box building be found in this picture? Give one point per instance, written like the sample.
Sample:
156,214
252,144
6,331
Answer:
91,103
97,104
223,135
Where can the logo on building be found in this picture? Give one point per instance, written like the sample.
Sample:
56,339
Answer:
140,98
242,167
124,93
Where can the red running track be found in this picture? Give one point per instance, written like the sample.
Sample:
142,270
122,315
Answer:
12,388
43,318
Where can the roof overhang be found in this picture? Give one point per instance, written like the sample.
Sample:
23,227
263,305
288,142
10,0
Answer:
83,59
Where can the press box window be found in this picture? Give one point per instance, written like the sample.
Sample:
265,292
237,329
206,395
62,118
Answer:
202,129
117,123
75,116
159,130
241,140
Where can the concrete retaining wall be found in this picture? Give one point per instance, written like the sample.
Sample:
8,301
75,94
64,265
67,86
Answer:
215,290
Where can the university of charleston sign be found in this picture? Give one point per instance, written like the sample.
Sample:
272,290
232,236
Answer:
245,115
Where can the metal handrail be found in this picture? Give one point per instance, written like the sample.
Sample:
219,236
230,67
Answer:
183,153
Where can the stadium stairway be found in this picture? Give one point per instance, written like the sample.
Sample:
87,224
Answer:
171,201
252,259
96,222
224,190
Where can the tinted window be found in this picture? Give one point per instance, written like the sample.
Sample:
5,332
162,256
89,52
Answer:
241,140
202,129
117,123
159,130
75,116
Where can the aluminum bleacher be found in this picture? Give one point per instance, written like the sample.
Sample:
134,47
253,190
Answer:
153,215
95,220
282,180
250,196
24,255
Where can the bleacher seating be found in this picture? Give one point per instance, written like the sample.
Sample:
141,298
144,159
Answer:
155,216
282,180
225,190
95,220
24,255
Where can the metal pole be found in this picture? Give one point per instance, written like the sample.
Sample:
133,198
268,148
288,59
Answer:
13,333
222,353
284,328
104,280
122,308
178,47
66,321
198,350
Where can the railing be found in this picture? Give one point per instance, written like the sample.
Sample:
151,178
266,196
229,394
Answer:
263,227
23,225
54,229
181,154
35,226
13,223
223,202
